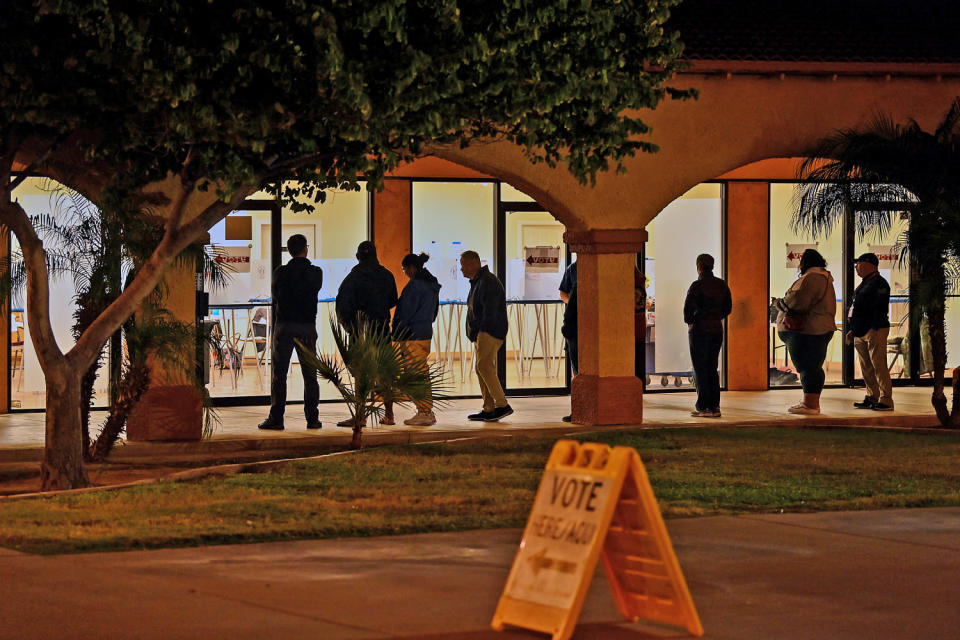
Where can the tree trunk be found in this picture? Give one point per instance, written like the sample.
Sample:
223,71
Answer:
955,410
131,387
62,466
938,345
86,404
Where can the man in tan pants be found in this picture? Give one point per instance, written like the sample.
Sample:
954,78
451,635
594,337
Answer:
869,326
487,326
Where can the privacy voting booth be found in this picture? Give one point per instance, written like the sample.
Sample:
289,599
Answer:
594,502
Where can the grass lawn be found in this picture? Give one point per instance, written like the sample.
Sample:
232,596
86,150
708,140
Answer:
490,484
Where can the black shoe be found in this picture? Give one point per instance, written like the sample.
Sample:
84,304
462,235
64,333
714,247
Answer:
866,404
499,412
567,418
881,406
483,415
270,425
314,424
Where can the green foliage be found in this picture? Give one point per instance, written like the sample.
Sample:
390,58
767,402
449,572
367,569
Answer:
865,171
244,93
379,371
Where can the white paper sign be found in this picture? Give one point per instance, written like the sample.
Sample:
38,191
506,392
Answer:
563,526
237,258
542,259
795,252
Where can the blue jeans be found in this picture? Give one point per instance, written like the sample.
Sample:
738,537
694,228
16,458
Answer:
283,345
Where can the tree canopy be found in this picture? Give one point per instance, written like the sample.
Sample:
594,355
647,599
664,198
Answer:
242,92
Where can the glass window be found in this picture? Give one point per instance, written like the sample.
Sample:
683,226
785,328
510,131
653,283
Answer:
536,260
687,227
785,249
448,219
240,366
45,197
512,194
952,322
897,273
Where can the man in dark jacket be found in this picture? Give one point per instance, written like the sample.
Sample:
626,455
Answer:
369,289
295,288
487,326
868,330
708,303
569,330
367,293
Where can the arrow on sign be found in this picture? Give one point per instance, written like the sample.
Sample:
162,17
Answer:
540,561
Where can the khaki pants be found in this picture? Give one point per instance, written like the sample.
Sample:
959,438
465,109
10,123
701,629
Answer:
487,348
419,351
872,350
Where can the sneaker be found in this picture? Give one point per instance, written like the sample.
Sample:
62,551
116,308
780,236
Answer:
421,420
499,412
351,422
387,420
866,404
270,425
715,413
567,418
314,424
705,413
804,410
482,415
881,406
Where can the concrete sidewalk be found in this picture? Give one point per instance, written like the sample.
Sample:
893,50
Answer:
22,434
881,574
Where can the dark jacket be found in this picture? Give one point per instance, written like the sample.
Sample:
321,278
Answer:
486,306
708,303
417,308
569,327
369,289
871,305
295,288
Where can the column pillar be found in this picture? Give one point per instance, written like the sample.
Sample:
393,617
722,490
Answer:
172,408
392,224
606,392
748,268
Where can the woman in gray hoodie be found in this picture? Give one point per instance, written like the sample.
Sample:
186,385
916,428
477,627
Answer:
806,323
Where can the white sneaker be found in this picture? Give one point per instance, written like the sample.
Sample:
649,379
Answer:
421,420
803,409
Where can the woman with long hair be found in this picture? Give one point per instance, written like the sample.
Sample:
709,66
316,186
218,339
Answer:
806,323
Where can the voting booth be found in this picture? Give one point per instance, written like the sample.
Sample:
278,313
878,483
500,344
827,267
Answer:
594,502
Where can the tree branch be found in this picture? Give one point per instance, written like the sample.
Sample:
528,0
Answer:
38,285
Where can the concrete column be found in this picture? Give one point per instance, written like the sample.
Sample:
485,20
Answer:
606,391
172,409
748,268
392,220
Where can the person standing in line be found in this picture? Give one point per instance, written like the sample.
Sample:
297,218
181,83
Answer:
707,304
368,292
295,288
640,326
487,326
569,330
868,331
413,321
806,321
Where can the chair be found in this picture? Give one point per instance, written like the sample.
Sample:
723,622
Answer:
895,346
16,350
260,336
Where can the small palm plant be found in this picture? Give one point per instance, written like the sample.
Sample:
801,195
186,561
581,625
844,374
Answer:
379,371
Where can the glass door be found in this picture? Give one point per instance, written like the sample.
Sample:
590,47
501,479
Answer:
532,261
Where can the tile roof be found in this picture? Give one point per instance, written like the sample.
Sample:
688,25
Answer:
901,31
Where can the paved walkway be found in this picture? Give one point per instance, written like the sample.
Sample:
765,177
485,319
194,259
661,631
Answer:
25,431
879,575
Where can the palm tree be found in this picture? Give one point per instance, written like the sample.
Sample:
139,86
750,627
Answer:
885,170
379,372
